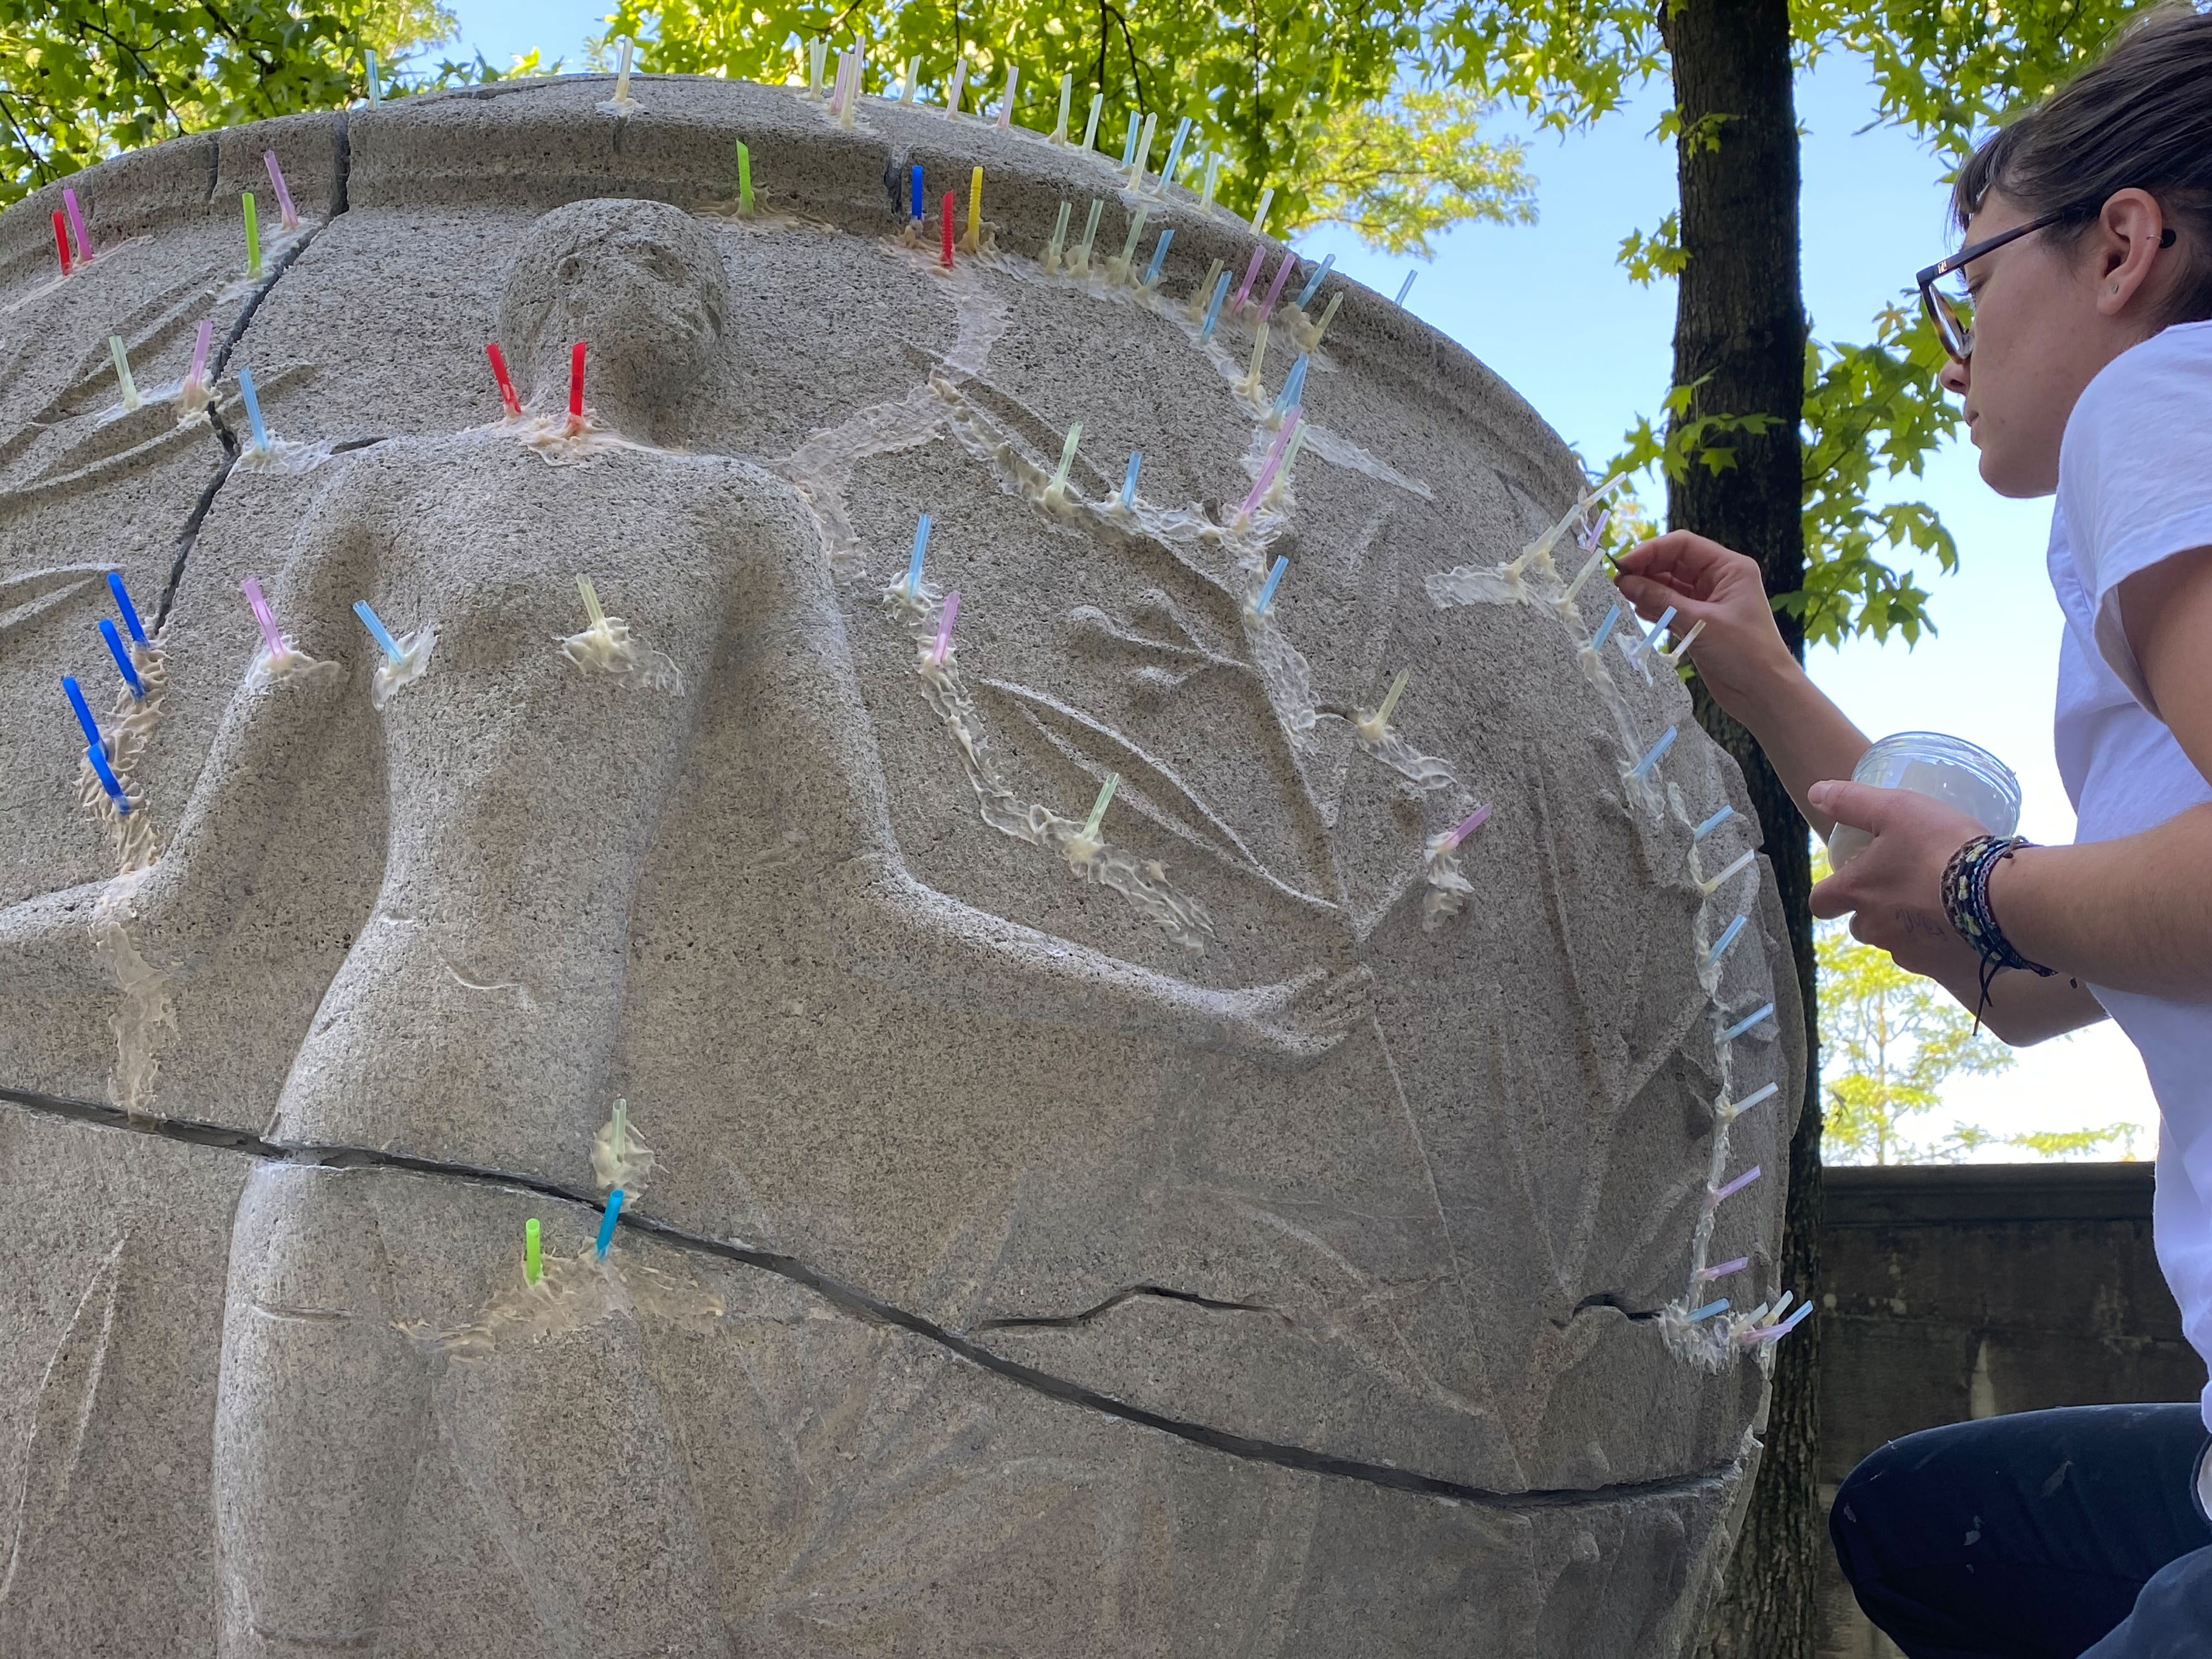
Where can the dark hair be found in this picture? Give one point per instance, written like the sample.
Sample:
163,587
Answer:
2139,117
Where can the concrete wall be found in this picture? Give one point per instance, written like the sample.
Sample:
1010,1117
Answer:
1956,1292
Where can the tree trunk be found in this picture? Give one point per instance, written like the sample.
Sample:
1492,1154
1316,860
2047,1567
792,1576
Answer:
1739,336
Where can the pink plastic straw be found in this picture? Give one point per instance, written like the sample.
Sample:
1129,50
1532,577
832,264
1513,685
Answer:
1734,1187
943,646
1273,466
198,376
1244,289
1706,1274
77,225
1472,822
277,650
283,196
1275,288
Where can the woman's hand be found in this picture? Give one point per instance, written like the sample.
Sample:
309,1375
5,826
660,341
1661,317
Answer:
1893,891
1741,651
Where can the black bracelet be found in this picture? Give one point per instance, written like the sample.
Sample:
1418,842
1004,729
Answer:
1967,904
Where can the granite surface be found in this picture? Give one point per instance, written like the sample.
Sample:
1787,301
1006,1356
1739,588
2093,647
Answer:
1253,1223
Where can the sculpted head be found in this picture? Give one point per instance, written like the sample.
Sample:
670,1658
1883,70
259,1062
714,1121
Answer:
640,283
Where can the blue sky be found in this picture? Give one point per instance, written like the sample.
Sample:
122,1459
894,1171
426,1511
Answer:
1548,309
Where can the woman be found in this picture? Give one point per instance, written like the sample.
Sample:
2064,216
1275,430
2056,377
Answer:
2087,372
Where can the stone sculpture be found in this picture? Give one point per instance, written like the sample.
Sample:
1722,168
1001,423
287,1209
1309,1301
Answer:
1253,1221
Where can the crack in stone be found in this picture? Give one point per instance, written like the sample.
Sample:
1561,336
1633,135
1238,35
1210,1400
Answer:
858,1304
1127,1293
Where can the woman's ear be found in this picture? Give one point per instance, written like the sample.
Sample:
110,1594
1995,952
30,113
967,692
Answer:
2129,232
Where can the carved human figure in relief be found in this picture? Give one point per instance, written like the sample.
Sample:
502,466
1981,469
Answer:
477,1012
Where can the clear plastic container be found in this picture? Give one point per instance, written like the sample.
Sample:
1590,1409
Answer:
1948,770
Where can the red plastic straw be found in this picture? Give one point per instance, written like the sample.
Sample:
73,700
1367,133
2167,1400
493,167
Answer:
946,215
61,240
1275,288
576,382
499,373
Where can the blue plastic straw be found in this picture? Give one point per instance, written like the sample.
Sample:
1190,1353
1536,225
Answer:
1712,823
253,409
1727,938
123,604
1657,629
1159,253
1597,639
1709,1311
1174,157
1642,768
917,192
607,1226
914,560
1129,145
1213,311
1129,480
1313,282
1267,591
1746,1023
83,713
1406,288
384,641
113,635
1751,1100
107,781
1293,393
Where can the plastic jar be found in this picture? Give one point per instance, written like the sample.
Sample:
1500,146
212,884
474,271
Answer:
1948,770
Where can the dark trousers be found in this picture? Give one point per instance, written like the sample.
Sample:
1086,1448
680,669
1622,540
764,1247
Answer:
2043,1536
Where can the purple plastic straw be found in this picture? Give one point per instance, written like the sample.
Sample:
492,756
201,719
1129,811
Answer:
262,615
1472,822
1722,1193
283,196
1275,288
944,645
1244,289
198,376
1274,465
1724,1269
77,225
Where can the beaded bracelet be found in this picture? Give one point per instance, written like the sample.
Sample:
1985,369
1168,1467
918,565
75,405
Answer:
1967,904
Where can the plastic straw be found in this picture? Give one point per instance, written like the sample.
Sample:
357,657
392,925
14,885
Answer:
607,1224
914,562
286,214
385,642
1275,288
253,411
122,381
108,780
1290,457
1746,1023
1597,639
1260,213
123,604
376,87
1258,356
1382,717
1213,311
1294,389
1708,1310
952,93
576,382
1175,154
1059,242
1712,823
914,196
1268,471
109,632
1213,178
975,210
1717,882
1144,154
1129,142
505,384
533,1263
1090,234
1404,288
1313,283
61,242
1251,271
1160,254
622,70
265,619
75,694
1642,768
1059,484
945,225
1750,1101
252,235
906,92
1090,126
1589,569
745,179
77,225
1465,827
1129,480
1706,1275
1327,315
949,615
1006,109
1775,1333
1129,243
1727,938
1682,645
590,595
1267,589
1067,94
1657,629
818,53
1098,807
1721,1195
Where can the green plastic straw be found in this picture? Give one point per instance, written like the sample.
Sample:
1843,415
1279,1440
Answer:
1098,807
1090,126
745,178
123,371
252,238
533,1261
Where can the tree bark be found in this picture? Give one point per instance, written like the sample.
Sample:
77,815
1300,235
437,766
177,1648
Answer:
1740,337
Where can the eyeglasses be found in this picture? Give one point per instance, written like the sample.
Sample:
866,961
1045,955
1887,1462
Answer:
1955,319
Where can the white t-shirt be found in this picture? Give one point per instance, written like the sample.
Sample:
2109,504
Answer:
2135,487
